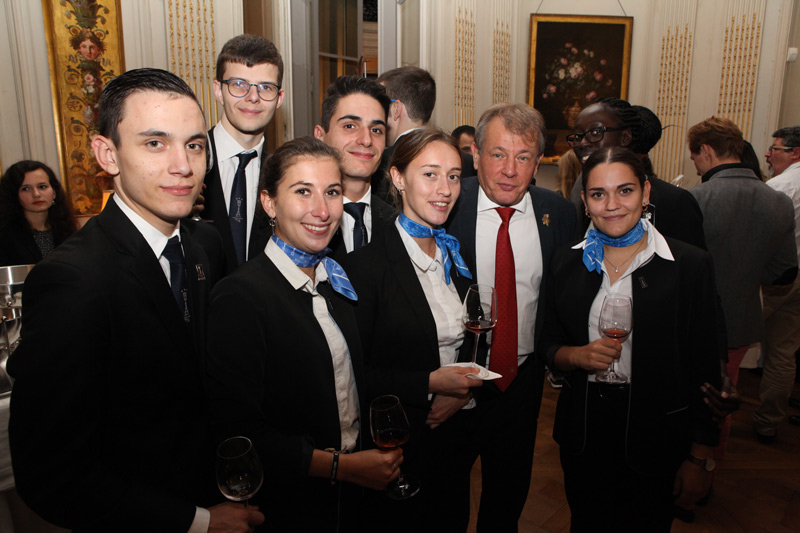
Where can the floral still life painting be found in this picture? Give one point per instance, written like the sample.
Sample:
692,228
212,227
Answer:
573,61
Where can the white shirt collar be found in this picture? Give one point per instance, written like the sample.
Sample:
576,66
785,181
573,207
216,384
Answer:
406,133
422,260
155,239
485,204
296,277
227,147
366,199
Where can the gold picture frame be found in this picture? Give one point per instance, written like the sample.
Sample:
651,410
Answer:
84,43
573,60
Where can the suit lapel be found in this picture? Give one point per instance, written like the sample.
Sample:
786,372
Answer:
216,211
145,268
403,270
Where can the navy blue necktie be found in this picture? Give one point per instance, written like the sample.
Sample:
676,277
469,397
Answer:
237,210
177,274
356,210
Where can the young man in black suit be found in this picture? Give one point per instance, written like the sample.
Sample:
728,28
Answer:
248,89
353,121
508,230
108,424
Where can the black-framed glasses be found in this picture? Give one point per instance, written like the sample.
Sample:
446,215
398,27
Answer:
593,135
786,149
239,88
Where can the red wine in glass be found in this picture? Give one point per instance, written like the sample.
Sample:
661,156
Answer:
479,312
616,322
389,427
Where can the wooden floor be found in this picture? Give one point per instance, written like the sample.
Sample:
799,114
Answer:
757,488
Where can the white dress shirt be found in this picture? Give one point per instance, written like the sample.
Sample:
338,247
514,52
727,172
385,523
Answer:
227,150
788,182
348,221
656,245
154,238
345,383
524,234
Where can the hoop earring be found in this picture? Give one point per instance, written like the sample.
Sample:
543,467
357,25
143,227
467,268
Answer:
272,224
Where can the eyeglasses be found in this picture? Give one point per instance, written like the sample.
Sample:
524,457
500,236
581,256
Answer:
239,88
781,148
593,135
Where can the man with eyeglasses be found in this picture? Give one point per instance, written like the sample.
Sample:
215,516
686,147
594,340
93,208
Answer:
781,304
248,89
749,229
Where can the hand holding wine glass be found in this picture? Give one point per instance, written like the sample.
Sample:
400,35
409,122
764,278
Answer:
616,322
479,312
389,427
239,471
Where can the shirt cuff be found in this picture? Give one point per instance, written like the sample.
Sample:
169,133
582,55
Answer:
202,518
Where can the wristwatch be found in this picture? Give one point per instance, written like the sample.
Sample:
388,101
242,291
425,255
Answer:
706,464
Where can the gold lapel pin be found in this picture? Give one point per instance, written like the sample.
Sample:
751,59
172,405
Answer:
546,219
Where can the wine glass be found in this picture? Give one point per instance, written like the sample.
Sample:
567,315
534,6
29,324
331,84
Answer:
239,471
479,312
616,322
389,427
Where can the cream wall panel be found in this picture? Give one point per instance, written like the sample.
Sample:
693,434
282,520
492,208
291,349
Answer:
27,128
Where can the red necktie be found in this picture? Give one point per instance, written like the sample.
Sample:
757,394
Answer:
504,337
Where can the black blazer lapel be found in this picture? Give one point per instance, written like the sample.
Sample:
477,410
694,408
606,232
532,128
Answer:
216,211
403,270
144,266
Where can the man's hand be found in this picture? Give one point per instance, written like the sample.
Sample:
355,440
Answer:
234,518
722,403
692,482
444,407
373,469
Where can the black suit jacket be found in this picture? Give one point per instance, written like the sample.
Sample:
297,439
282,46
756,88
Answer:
17,246
270,377
397,328
383,215
216,211
108,427
675,350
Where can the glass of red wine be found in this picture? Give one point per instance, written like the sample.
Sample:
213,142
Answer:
616,322
389,426
239,471
479,312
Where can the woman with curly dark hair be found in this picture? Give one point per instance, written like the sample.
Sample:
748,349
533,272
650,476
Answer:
35,215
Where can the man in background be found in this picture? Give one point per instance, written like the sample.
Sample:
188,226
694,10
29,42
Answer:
781,304
746,255
354,122
248,89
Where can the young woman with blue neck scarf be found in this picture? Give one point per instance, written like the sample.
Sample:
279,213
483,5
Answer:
410,284
630,451
284,357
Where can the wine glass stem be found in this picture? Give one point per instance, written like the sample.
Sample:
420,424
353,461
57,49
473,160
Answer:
475,348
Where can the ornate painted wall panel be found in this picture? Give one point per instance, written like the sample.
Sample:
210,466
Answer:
192,48
464,90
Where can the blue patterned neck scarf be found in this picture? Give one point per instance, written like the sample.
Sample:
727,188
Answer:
336,274
448,244
593,250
